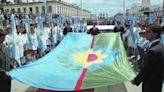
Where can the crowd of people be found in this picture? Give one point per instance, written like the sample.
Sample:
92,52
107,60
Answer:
144,44
36,34
25,38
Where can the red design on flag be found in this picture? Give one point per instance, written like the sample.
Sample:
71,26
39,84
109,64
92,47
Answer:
92,57
80,81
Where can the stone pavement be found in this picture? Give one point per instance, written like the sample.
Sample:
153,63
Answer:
19,87
126,87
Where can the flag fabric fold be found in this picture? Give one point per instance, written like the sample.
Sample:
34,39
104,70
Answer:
80,61
15,48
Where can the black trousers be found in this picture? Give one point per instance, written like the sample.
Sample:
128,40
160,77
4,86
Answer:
154,86
5,83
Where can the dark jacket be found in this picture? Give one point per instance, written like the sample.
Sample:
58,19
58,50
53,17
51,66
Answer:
67,30
5,65
151,74
93,31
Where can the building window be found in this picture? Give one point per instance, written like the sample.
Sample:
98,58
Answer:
50,9
58,10
36,9
61,10
30,10
13,10
24,10
18,10
43,9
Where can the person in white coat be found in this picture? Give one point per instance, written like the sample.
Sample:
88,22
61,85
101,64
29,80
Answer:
42,37
8,41
162,36
21,41
54,35
32,43
47,29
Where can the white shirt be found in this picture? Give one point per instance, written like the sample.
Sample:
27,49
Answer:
162,39
34,42
152,42
143,43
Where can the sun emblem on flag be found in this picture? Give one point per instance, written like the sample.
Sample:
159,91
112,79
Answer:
90,57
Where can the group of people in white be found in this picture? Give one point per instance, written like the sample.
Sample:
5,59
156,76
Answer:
30,40
31,37
136,43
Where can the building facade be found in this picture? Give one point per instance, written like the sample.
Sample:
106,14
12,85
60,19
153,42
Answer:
146,3
136,10
56,7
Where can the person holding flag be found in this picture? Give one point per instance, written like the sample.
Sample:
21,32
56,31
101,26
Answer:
162,35
151,74
67,28
1,20
5,64
15,42
94,30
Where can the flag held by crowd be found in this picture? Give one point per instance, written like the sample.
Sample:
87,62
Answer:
15,48
80,61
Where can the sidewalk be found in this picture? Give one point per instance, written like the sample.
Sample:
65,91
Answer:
126,87
19,87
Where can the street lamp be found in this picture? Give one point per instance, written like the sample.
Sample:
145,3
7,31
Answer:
81,4
123,8
163,7
81,10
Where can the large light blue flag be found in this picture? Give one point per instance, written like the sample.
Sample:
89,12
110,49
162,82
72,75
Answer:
45,6
27,27
151,20
27,23
80,61
49,18
15,49
132,23
162,39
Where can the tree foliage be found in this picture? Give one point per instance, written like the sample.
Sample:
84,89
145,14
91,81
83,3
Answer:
118,14
144,9
1,6
3,1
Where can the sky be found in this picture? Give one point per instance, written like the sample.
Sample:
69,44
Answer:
110,7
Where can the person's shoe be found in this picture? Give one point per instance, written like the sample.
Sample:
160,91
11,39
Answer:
132,57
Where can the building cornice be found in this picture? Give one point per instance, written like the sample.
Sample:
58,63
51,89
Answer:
39,2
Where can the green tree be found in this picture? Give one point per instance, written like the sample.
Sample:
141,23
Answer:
1,6
144,9
3,1
118,14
